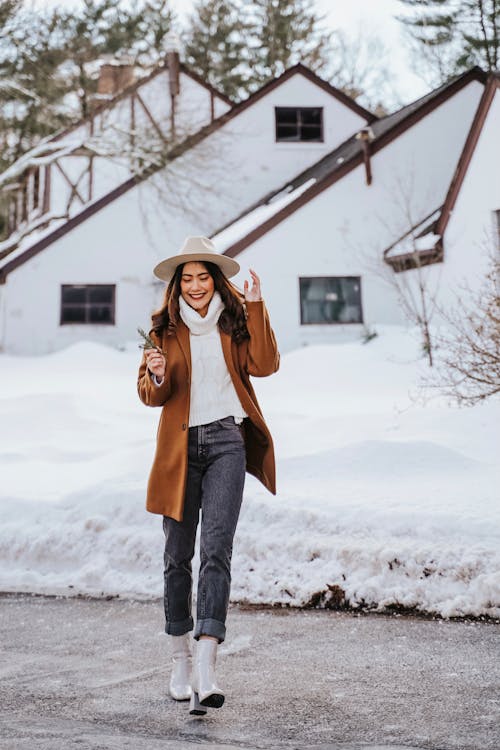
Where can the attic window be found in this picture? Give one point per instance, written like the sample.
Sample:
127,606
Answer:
88,304
299,124
330,299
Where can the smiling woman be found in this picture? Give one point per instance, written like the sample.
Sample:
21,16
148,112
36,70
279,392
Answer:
209,339
197,286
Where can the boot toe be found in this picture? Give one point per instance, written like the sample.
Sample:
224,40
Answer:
183,694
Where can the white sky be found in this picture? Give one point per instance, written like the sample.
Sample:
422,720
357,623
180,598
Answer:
377,17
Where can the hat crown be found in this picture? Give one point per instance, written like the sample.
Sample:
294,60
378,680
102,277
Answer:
197,245
196,249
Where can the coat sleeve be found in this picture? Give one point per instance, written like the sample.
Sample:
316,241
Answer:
263,357
150,393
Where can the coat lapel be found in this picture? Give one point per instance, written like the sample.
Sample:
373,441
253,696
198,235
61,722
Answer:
182,333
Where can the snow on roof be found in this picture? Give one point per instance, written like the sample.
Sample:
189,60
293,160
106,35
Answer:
244,225
420,237
18,243
43,153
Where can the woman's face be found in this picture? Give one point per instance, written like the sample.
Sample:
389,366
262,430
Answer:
197,286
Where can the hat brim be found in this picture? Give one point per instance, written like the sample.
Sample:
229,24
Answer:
166,269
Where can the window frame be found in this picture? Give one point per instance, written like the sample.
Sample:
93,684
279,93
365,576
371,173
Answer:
321,139
332,322
87,305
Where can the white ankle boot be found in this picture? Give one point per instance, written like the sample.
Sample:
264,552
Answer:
205,692
180,680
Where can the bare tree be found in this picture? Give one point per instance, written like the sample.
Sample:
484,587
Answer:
357,68
469,347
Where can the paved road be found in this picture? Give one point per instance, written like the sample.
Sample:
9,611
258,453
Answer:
92,675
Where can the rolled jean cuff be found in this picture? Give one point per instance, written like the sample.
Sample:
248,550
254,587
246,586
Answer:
213,628
179,628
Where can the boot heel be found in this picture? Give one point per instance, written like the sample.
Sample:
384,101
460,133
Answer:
215,700
195,706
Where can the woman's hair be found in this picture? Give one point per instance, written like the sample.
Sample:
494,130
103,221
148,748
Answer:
232,319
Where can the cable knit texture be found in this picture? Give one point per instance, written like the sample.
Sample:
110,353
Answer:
213,395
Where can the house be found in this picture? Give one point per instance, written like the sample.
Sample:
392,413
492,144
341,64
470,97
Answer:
298,181
414,193
81,266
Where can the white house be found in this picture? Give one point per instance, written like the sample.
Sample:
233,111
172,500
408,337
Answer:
298,182
330,240
87,274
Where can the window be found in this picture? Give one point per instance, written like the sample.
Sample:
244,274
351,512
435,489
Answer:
330,299
299,123
88,304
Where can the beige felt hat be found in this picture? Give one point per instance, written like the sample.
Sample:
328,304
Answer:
196,248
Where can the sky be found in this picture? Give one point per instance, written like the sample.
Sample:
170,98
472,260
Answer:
376,17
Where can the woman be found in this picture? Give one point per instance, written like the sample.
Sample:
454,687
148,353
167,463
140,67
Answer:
210,338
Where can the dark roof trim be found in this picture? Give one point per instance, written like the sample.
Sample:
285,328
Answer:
425,230
302,199
413,117
417,259
468,151
328,87
236,109
289,73
133,87
61,231
93,208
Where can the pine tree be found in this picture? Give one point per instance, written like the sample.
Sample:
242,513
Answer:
8,9
49,60
100,27
215,45
454,35
156,20
287,32
112,28
32,82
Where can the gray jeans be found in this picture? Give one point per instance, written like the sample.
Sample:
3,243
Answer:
215,480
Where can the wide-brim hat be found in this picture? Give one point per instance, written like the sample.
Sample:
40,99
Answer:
196,249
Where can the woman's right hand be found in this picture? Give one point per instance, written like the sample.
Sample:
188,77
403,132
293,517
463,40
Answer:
156,362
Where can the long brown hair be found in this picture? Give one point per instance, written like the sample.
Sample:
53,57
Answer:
232,319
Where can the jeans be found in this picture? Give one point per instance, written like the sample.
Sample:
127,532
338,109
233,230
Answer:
215,480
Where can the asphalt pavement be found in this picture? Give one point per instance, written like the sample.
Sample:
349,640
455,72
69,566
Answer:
93,675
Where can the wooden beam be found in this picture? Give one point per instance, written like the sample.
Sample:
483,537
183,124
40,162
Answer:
74,189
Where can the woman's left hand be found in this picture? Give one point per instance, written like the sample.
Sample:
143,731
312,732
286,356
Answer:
253,294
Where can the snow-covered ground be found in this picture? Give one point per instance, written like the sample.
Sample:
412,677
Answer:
390,500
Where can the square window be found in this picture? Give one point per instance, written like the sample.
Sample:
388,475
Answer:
330,299
299,123
88,304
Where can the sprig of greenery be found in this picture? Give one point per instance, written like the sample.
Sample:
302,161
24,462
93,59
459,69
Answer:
148,341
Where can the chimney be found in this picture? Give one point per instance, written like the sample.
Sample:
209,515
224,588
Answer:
172,46
114,77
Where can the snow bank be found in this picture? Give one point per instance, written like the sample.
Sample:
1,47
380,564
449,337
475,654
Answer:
381,501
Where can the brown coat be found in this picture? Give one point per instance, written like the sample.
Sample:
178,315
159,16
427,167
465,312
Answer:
256,356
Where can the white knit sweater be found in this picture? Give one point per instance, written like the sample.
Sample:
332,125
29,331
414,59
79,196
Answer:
213,395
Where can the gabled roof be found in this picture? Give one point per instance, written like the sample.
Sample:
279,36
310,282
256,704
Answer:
124,93
299,68
177,151
350,155
435,224
468,151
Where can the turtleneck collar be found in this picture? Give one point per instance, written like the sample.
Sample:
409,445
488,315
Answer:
196,324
